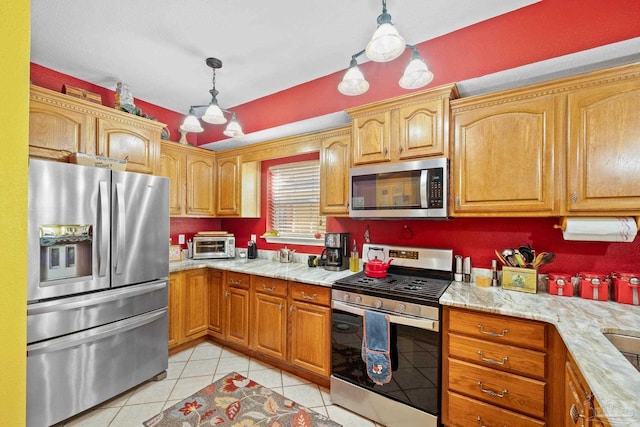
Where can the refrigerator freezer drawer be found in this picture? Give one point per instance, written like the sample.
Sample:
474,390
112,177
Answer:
59,317
68,375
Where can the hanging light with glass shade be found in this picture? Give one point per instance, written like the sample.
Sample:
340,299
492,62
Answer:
386,45
214,114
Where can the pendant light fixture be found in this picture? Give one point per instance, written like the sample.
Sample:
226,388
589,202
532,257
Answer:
386,45
214,114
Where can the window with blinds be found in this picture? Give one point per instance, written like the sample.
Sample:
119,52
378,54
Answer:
294,199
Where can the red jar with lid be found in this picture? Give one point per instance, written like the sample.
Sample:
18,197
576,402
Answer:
560,284
625,287
594,286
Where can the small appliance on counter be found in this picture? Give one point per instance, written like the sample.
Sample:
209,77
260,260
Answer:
252,250
214,244
335,255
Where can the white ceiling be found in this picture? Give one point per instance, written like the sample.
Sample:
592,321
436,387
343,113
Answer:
158,47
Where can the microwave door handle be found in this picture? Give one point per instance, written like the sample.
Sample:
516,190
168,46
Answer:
103,229
424,191
120,228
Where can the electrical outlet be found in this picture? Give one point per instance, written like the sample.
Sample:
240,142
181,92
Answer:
253,237
181,239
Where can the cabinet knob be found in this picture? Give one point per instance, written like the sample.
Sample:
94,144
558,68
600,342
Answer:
291,308
226,294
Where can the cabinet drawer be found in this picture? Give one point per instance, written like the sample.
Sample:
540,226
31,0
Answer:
500,356
310,293
237,280
270,286
499,388
465,412
509,330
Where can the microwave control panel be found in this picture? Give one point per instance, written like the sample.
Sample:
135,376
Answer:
435,187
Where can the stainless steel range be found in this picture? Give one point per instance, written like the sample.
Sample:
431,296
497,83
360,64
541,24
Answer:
408,295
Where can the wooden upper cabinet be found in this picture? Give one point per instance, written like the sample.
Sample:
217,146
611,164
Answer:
402,128
60,125
191,172
173,163
603,167
200,184
503,155
228,186
121,139
57,130
334,174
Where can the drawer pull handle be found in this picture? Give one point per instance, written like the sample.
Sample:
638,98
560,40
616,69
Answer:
492,361
308,297
268,289
493,334
236,282
491,392
575,414
481,423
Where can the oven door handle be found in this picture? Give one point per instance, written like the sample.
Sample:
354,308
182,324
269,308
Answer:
429,324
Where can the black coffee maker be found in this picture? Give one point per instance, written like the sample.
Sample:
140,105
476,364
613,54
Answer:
335,255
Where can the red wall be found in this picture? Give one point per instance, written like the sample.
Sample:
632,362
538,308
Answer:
541,31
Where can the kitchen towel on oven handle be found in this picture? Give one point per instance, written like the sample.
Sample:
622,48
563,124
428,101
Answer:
375,346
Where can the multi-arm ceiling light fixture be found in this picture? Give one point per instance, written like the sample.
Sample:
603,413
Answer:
386,45
214,113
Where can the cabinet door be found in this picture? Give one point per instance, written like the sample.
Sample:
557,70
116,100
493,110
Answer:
173,161
603,171
216,303
503,158
237,315
269,325
310,344
421,130
196,302
175,309
200,176
577,398
121,140
56,132
334,175
228,186
372,138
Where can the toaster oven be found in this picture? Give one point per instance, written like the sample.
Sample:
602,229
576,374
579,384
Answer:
214,247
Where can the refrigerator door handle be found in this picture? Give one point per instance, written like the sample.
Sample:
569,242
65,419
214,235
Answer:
120,222
104,229
95,334
94,299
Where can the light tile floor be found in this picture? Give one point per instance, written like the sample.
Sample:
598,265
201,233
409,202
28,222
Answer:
194,368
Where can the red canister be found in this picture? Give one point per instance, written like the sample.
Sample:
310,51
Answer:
594,286
560,284
625,287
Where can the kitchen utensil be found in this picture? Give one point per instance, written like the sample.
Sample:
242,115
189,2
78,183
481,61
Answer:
500,257
527,254
375,267
543,258
517,256
286,254
507,254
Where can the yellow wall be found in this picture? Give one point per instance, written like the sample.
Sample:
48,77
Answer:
14,108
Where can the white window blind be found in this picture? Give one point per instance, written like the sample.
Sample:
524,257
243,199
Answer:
294,199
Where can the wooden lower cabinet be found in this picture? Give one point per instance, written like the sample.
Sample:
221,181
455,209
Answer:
216,303
188,306
499,371
269,316
310,328
236,302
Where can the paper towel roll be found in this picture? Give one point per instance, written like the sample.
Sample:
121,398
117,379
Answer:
601,229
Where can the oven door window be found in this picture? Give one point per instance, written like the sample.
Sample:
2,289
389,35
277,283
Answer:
415,360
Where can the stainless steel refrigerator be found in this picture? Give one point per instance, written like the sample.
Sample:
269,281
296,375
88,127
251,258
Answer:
97,286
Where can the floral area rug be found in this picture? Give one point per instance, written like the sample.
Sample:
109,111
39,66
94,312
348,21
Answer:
236,401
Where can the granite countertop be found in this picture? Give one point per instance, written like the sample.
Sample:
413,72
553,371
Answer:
297,271
580,322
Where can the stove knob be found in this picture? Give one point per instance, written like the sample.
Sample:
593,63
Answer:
401,308
345,297
378,303
358,299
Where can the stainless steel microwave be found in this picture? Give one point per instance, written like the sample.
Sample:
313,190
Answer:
214,247
415,189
